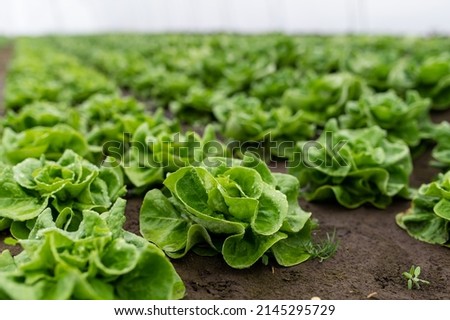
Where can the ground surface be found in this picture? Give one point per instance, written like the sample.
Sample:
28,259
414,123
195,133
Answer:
372,254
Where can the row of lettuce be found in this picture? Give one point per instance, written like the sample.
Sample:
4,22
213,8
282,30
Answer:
71,144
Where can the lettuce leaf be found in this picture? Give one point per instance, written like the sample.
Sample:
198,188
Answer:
325,97
42,114
110,118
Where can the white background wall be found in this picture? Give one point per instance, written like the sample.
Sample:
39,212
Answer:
322,16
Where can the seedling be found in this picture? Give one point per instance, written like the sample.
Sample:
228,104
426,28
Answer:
324,249
413,277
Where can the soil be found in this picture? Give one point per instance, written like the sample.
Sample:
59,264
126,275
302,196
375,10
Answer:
372,254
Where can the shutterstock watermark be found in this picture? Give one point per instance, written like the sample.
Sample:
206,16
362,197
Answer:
181,150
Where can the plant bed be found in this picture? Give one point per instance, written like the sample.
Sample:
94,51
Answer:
372,254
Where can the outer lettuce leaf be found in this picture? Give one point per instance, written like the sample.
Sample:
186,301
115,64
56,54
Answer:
428,219
17,203
365,168
98,261
238,209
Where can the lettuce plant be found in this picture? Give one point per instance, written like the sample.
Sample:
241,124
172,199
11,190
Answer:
35,142
99,260
111,118
407,119
325,97
245,119
354,166
372,66
42,114
441,152
67,186
428,219
237,208
433,80
156,150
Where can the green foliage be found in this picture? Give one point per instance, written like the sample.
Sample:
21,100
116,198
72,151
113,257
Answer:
412,278
64,188
42,114
239,209
325,97
50,142
65,115
246,119
354,166
407,120
433,80
156,150
39,73
97,261
441,152
428,218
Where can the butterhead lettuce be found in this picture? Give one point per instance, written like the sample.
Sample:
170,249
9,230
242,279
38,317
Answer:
353,166
237,208
66,187
99,260
428,219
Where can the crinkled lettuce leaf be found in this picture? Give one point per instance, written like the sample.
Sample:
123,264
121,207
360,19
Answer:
433,80
108,120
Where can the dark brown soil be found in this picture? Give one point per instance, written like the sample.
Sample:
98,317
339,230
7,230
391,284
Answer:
372,254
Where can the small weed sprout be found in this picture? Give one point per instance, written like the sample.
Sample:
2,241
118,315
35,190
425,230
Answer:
324,249
413,277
